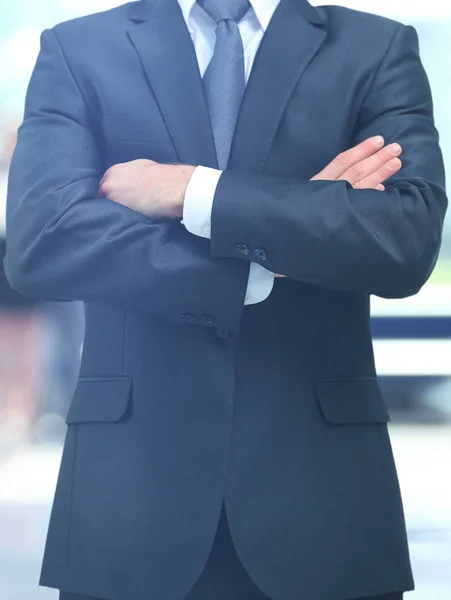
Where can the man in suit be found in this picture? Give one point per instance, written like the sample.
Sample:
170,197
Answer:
228,437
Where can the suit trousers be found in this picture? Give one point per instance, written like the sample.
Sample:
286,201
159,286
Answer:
224,576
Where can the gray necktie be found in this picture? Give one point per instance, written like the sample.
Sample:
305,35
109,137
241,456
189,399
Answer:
224,79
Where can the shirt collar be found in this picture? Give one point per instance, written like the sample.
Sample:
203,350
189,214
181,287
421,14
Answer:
186,7
264,10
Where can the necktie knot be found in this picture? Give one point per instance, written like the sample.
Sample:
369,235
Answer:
225,10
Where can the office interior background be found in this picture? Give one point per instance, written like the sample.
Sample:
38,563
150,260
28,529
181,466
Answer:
40,342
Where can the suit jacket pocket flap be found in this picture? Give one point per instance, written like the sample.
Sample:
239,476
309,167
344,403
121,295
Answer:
352,401
100,400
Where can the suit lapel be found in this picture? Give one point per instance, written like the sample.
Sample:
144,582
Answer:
163,43
292,39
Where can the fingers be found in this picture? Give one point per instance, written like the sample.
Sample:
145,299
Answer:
365,166
375,169
346,160
382,174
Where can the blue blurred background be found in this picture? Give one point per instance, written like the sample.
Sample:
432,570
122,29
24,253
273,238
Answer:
40,342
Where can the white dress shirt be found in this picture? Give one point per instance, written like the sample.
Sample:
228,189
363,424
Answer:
202,186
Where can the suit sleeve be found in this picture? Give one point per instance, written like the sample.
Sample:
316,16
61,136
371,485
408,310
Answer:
66,242
330,235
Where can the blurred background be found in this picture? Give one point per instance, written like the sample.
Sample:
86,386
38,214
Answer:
40,342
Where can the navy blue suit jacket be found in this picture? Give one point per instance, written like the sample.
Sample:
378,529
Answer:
187,398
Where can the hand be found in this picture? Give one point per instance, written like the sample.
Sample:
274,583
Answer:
153,189
365,166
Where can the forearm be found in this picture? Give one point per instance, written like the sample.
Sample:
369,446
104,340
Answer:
326,234
67,242
98,251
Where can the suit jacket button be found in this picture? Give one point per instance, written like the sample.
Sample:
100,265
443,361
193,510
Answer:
260,255
206,319
243,249
223,333
187,318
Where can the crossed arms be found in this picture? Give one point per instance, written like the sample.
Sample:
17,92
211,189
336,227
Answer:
67,241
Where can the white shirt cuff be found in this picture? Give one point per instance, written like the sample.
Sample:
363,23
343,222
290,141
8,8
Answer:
260,284
197,209
198,203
